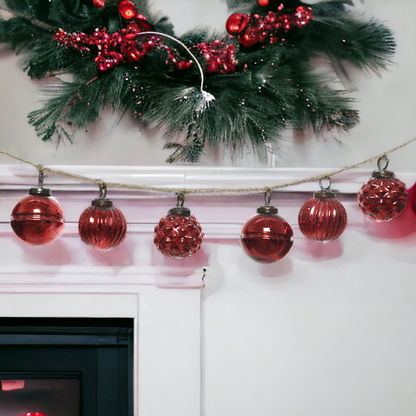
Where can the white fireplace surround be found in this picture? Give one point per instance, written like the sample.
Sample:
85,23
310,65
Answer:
163,296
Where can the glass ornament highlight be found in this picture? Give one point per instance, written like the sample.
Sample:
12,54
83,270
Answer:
127,9
322,218
102,226
38,219
178,235
383,198
266,237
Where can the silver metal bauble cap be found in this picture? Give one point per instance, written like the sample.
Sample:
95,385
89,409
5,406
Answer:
102,202
325,193
267,209
382,173
180,211
40,191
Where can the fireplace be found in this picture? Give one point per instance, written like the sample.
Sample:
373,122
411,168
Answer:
66,367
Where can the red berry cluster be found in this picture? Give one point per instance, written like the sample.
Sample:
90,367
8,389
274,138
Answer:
254,29
113,48
220,56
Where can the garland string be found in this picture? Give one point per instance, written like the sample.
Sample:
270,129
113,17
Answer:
266,189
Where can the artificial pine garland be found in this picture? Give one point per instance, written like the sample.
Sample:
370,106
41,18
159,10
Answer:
259,80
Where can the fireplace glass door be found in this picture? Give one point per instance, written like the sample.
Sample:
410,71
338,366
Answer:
66,367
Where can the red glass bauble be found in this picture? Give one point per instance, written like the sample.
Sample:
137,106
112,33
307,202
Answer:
38,219
102,226
383,197
236,23
127,9
99,3
322,218
266,237
263,3
179,234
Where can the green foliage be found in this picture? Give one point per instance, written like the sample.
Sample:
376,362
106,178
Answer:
273,88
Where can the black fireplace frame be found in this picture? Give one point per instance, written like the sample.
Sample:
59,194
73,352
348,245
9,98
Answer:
99,349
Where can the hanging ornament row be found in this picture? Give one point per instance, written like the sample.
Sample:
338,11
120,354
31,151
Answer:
266,237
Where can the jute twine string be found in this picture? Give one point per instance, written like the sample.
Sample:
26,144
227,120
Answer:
266,189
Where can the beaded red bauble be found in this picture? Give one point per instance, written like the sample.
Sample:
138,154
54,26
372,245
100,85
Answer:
102,226
322,218
266,237
38,219
383,197
179,234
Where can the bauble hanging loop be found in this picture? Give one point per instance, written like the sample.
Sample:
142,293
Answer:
383,197
102,226
266,237
38,219
322,218
178,235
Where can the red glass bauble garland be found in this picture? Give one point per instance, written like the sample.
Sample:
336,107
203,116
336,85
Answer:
322,218
38,219
102,226
383,198
178,235
266,237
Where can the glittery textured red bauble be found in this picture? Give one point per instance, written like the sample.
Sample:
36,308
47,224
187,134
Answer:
37,219
266,237
322,218
102,226
99,3
236,23
179,234
383,198
127,9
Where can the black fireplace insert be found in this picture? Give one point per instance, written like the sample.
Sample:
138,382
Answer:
66,366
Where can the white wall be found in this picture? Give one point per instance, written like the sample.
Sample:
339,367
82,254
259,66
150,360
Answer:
329,331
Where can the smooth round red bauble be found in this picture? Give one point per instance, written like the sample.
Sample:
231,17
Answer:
99,3
102,226
236,23
178,235
263,3
266,237
383,197
127,9
322,218
38,219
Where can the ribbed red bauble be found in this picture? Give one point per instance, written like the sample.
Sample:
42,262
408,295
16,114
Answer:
178,235
322,218
38,219
266,237
383,197
127,9
236,23
102,226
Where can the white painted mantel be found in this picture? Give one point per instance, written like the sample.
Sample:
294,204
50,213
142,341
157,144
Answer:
69,279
